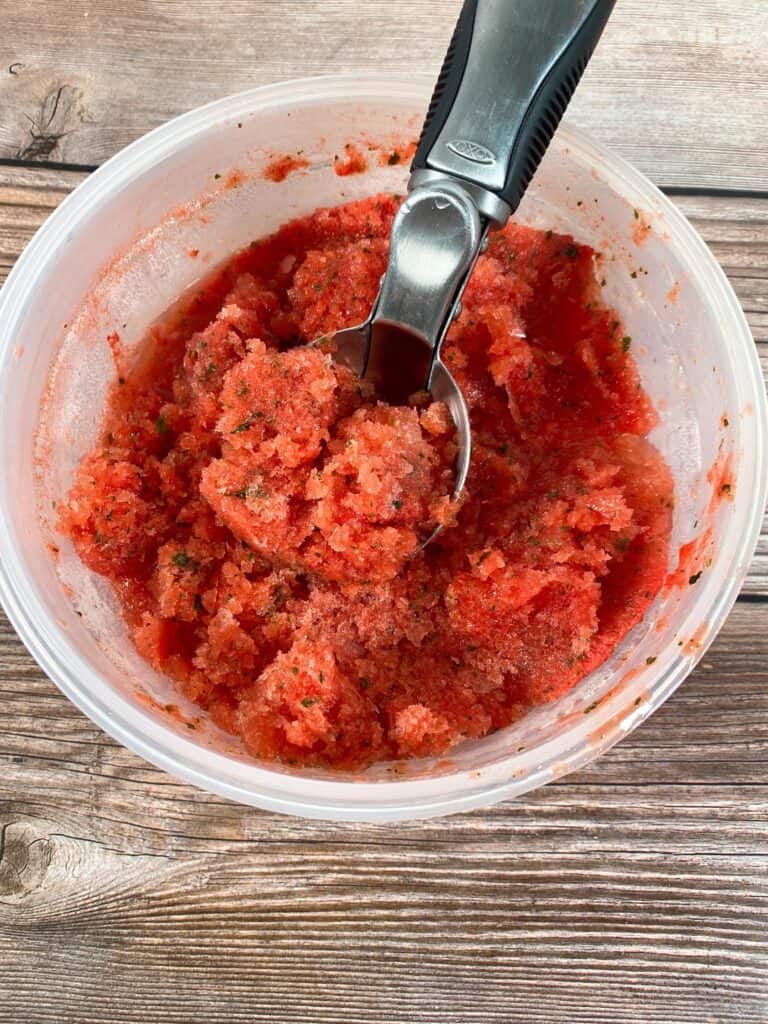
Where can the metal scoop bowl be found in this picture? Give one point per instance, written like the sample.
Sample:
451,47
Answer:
436,237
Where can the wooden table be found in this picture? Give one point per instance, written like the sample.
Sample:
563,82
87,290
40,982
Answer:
633,891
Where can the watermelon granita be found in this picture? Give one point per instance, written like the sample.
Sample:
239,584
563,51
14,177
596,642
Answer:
259,513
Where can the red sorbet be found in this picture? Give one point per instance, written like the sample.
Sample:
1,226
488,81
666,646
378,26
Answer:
257,511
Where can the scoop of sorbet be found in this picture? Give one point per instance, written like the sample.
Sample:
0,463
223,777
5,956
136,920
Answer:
317,472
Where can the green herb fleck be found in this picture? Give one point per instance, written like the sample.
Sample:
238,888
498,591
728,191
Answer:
393,159
626,342
591,707
694,579
307,702
247,423
161,425
649,661
571,251
397,504
184,561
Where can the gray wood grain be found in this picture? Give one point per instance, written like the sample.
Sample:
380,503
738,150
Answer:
632,891
677,86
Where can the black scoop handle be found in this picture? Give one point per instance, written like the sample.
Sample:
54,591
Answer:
507,79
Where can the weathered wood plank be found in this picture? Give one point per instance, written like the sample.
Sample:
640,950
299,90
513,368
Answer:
678,86
632,891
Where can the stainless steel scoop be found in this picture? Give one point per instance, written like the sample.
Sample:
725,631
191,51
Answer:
507,79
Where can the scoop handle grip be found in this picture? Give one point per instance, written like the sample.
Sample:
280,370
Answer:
508,76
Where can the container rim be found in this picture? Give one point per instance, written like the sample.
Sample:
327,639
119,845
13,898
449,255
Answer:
401,798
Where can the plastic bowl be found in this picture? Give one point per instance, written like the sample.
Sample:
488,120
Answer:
117,252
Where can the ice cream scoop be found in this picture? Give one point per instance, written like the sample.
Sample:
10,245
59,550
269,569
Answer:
508,76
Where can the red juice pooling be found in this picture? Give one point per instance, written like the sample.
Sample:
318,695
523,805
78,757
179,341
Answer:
256,510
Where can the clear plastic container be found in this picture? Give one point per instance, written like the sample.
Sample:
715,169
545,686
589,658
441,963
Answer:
117,252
